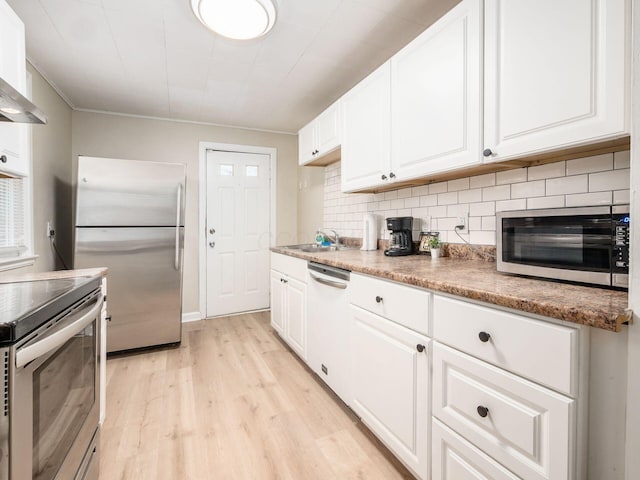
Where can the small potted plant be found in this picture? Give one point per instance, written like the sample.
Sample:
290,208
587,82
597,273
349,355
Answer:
434,246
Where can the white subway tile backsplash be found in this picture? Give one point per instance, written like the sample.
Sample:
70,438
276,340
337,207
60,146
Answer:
598,180
550,170
447,198
482,238
428,200
567,185
587,199
482,208
528,189
622,159
505,205
469,196
411,202
502,192
487,180
488,223
511,176
612,180
556,201
438,188
598,163
459,184
621,196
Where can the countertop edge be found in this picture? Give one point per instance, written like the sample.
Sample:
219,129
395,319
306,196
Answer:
596,318
28,277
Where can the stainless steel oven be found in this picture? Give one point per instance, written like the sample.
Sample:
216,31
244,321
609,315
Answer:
49,426
581,244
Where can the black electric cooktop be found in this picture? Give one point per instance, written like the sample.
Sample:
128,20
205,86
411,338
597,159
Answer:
24,306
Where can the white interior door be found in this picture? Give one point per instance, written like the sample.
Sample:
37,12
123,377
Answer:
237,232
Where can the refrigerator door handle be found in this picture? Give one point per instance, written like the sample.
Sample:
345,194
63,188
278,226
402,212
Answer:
176,263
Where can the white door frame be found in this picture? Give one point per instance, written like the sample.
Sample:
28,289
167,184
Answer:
202,209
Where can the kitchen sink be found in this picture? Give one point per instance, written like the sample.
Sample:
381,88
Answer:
314,248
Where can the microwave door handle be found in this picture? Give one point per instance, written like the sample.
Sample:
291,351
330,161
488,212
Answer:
54,340
176,261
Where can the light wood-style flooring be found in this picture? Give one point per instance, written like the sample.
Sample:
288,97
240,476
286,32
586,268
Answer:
232,402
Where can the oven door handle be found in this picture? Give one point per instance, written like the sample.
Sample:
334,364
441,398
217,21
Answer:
60,336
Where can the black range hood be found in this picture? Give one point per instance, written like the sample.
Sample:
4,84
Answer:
14,107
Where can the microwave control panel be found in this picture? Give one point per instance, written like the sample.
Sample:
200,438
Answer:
621,243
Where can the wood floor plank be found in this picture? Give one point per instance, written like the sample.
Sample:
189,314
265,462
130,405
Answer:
231,402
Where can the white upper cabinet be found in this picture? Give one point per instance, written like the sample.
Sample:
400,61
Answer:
13,136
436,92
366,132
320,138
556,74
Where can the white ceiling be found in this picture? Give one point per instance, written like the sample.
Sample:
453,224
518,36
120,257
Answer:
153,58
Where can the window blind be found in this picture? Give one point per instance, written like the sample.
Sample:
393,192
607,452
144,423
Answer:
13,242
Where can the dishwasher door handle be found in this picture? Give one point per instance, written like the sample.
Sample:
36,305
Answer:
330,283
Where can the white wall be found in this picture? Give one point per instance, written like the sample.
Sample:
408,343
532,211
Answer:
51,153
598,180
116,136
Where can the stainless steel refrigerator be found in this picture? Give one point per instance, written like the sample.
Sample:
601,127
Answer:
130,219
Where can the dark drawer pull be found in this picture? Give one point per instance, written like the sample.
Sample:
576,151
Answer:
3,158
378,299
484,337
420,348
482,411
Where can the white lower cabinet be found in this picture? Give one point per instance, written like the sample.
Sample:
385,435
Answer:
454,458
289,308
391,386
526,427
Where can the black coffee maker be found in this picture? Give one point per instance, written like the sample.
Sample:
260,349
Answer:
400,242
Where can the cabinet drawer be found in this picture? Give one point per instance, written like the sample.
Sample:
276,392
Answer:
541,351
294,267
401,304
527,428
455,459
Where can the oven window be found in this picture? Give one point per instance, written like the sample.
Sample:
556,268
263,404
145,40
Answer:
63,395
568,242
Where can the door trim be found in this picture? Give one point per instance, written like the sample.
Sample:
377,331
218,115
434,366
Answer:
202,208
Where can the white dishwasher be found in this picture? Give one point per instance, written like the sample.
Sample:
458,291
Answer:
328,326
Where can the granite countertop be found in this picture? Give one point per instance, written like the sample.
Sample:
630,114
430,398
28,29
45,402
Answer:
27,277
479,280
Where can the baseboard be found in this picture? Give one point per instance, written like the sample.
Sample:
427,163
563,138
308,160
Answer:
191,317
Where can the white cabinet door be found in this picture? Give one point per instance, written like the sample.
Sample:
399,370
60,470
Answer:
328,129
556,74
13,136
391,386
307,143
436,91
366,132
277,301
527,428
296,316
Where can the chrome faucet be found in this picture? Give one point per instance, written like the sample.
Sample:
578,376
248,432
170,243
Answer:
336,237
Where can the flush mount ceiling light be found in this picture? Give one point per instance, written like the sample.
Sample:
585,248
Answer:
237,19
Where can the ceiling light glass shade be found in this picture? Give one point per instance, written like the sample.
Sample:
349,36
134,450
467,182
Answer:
237,19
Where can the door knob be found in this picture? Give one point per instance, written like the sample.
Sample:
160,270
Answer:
212,244
487,152
383,177
484,337
482,411
392,175
378,299
420,348
212,231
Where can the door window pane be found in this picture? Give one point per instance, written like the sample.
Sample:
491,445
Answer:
226,170
252,170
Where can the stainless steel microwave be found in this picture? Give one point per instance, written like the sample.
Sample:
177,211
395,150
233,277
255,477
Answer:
578,244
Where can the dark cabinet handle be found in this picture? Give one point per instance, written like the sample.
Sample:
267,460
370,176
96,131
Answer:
108,318
378,299
392,175
3,159
420,348
484,337
383,177
482,411
487,152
